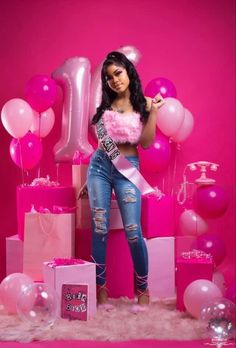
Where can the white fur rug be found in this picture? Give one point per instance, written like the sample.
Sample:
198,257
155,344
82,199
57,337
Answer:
161,321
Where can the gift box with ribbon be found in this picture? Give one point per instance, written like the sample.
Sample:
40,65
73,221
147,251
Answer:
157,216
190,266
61,274
47,236
41,193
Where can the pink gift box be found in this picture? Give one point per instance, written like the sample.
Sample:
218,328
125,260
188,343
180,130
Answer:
41,196
119,266
46,236
157,216
82,273
14,255
83,215
161,278
188,270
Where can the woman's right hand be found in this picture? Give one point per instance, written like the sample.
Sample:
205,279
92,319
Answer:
83,192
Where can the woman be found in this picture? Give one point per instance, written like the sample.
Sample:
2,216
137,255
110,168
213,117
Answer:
129,119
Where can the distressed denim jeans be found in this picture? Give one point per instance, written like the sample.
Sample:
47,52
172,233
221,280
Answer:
102,178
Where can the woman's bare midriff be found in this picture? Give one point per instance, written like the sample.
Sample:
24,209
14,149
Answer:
127,149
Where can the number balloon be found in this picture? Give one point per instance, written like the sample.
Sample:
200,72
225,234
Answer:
74,78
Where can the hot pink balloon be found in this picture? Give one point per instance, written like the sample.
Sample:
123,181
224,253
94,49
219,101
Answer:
74,78
133,55
185,129
17,116
198,293
170,116
210,201
190,223
160,85
230,293
11,288
41,92
26,152
157,156
43,123
210,243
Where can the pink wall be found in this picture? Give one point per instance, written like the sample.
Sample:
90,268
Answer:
190,42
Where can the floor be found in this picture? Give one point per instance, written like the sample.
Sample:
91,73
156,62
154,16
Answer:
96,344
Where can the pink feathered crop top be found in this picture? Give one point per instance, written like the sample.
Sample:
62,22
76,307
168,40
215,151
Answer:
123,128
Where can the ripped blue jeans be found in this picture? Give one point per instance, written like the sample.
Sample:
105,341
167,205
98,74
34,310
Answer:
102,177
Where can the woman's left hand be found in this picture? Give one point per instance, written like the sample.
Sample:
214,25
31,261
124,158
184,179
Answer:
157,101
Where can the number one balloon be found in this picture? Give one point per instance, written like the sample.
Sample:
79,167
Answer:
74,78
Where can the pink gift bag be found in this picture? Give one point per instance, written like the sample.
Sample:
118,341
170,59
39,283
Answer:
157,217
191,266
46,236
41,196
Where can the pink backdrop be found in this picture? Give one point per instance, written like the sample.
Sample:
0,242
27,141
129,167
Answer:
190,42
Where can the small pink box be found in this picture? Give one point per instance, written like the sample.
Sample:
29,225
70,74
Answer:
83,215
119,266
14,255
41,196
81,273
188,270
161,278
157,216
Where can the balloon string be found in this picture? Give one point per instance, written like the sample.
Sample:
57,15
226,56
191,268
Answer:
177,148
57,172
39,168
21,162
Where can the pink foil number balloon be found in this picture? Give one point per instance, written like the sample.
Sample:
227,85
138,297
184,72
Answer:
74,78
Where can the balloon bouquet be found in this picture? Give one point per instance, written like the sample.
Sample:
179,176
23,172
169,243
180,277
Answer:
204,299
36,303
27,121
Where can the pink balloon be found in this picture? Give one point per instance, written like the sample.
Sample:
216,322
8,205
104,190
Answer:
210,243
74,78
190,223
133,55
17,117
210,201
41,92
26,152
11,288
198,293
43,123
185,129
157,156
160,85
170,116
230,293
219,280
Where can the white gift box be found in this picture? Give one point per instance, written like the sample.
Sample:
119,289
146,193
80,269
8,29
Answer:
161,278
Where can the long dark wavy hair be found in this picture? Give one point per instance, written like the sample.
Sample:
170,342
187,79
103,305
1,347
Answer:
137,98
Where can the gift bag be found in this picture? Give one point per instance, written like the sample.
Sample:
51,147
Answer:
46,236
